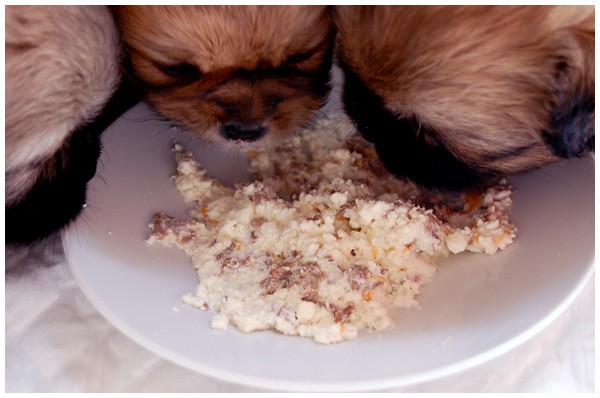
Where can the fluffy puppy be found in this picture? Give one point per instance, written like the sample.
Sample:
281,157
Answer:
235,75
456,96
62,66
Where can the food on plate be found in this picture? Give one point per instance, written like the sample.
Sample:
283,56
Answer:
325,242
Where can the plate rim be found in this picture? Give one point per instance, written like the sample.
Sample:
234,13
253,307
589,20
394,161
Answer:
293,386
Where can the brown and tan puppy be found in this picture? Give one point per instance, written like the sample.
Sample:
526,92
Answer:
231,74
62,66
456,96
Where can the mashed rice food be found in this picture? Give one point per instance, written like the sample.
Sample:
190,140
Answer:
325,242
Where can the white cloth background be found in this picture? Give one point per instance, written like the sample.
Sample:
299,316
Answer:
56,341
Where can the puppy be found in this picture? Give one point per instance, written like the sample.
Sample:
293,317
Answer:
62,67
235,75
457,96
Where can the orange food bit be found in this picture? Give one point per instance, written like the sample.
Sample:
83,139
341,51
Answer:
368,152
380,278
498,239
474,200
204,212
374,252
368,295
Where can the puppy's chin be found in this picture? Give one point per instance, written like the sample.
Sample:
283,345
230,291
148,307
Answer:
215,139
268,139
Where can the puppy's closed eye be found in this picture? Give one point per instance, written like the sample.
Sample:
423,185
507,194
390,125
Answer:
299,58
182,71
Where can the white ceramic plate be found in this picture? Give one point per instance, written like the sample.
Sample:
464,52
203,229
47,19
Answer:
477,307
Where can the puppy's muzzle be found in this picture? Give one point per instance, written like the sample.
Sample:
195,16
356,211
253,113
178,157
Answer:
248,132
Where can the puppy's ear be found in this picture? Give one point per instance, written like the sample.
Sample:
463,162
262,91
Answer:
571,127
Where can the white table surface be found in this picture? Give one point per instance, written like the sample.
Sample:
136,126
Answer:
56,341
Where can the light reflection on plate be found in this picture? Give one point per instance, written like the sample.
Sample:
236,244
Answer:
476,308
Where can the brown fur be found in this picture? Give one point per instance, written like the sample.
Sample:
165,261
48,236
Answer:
207,66
485,80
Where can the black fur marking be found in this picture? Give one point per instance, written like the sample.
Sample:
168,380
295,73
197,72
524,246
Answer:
572,130
53,203
405,147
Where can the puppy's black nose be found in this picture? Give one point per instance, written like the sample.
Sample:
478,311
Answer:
243,131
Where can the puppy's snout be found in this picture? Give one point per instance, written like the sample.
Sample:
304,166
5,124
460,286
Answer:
243,131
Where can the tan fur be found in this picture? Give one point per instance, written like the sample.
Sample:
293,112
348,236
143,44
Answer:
61,68
220,41
483,77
